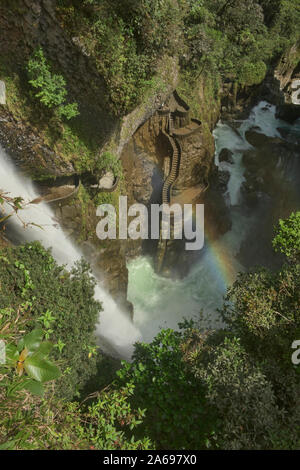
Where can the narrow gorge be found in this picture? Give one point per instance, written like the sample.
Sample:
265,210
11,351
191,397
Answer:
165,103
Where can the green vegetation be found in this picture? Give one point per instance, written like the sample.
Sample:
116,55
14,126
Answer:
108,162
59,302
126,38
178,416
234,388
51,87
29,356
129,44
58,311
75,140
237,39
287,239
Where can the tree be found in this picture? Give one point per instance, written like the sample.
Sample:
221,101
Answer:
60,302
287,236
108,162
242,397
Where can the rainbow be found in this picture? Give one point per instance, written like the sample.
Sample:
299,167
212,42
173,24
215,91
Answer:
221,261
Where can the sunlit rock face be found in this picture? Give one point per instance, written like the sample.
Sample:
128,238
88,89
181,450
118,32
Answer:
281,85
147,161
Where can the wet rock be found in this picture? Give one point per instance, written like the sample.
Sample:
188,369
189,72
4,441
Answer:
226,156
217,214
251,159
251,191
289,135
223,179
288,112
269,157
284,132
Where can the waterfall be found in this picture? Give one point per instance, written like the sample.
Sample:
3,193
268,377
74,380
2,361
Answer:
160,302
115,332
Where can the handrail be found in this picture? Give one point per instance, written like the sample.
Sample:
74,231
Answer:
72,193
167,186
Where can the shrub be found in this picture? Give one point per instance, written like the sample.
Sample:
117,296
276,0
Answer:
32,415
28,421
177,416
109,421
287,236
252,73
60,302
241,395
108,162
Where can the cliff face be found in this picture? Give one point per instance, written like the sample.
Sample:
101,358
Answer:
46,148
25,25
148,162
28,24
279,87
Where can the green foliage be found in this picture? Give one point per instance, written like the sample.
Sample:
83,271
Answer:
230,389
177,416
32,416
242,388
239,39
29,356
108,162
61,302
252,73
287,236
110,420
240,394
263,309
126,39
75,140
51,87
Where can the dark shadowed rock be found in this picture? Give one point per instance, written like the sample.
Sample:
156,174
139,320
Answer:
222,181
288,112
289,135
258,140
226,156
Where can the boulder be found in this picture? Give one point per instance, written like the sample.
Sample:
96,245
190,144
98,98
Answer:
257,139
223,179
107,181
226,156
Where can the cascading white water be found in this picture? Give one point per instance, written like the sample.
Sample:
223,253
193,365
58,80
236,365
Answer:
160,302
261,117
115,331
